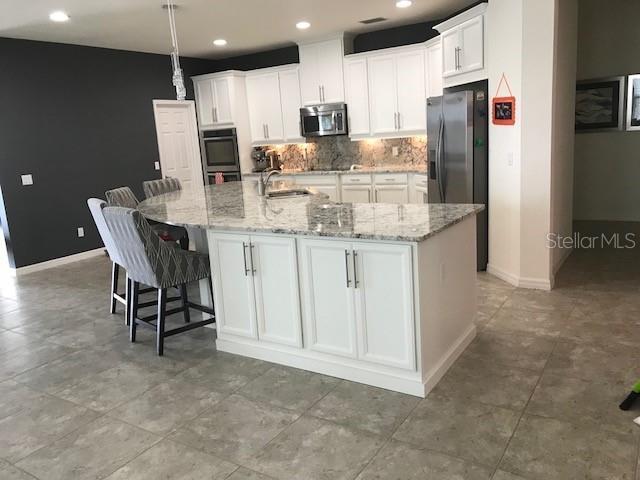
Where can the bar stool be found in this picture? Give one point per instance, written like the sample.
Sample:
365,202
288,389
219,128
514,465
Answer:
150,260
153,188
96,207
124,197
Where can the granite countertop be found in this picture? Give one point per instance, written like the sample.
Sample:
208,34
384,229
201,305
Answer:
236,206
364,170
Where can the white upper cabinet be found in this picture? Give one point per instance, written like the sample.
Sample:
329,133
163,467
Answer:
397,93
273,96
463,42
433,68
357,95
291,103
321,74
214,99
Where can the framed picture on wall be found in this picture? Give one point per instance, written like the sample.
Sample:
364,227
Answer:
633,102
600,104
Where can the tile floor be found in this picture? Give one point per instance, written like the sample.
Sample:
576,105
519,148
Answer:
534,397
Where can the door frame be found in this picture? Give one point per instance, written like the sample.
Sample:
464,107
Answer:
197,173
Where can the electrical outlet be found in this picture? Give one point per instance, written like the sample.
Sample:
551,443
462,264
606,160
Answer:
510,159
27,179
80,232
157,164
394,151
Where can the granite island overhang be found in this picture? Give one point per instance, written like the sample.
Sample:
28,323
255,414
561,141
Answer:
380,294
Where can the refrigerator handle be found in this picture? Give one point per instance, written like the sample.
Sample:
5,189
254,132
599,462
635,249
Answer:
440,161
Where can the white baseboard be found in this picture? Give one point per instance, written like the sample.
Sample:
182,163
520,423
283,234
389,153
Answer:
520,282
56,262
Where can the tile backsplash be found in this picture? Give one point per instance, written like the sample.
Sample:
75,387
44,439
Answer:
339,153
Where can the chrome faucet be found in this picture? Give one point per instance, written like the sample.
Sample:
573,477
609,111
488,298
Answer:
263,182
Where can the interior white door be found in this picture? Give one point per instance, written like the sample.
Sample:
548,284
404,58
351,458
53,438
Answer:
290,102
330,73
233,284
275,274
178,144
392,194
222,100
328,296
357,95
472,44
412,105
450,44
356,194
384,304
382,94
204,99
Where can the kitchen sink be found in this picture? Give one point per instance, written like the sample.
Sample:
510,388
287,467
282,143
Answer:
288,193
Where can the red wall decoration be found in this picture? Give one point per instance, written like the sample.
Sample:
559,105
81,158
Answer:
503,108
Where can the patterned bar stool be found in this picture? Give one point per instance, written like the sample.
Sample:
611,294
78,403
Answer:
96,207
149,260
124,197
154,188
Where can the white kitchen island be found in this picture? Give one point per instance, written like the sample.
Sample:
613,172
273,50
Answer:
380,294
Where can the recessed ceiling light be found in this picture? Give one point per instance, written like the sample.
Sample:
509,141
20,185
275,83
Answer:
403,3
58,16
303,25
220,42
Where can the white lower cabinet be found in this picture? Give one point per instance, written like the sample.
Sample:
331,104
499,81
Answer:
255,281
392,193
358,300
420,195
356,194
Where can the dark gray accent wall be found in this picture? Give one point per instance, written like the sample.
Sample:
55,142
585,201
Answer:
254,61
80,120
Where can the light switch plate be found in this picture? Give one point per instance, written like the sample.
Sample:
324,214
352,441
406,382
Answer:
27,179
80,232
157,164
394,151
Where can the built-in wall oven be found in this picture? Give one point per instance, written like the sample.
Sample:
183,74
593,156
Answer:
220,154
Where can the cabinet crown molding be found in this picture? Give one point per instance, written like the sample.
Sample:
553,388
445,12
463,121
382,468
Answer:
463,17
226,73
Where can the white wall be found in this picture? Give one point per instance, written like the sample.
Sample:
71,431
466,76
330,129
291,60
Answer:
563,140
607,165
523,159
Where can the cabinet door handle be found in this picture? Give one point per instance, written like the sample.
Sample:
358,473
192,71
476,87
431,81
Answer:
355,269
213,114
320,93
399,122
376,195
244,257
253,268
395,121
264,131
322,90
346,267
267,127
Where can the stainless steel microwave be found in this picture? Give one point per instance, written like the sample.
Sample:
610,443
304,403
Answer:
324,120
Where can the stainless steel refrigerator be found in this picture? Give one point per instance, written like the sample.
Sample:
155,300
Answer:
457,136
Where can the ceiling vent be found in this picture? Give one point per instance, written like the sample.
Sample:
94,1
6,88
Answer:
369,21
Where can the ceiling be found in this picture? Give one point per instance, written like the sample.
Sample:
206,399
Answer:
248,25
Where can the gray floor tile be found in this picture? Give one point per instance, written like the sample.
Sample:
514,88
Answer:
583,401
543,323
502,475
246,474
590,361
488,382
471,431
93,451
550,449
224,372
15,397
112,387
603,327
91,334
515,349
172,461
42,422
314,449
398,460
289,388
9,472
68,370
167,406
235,429
11,341
28,357
540,301
366,408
